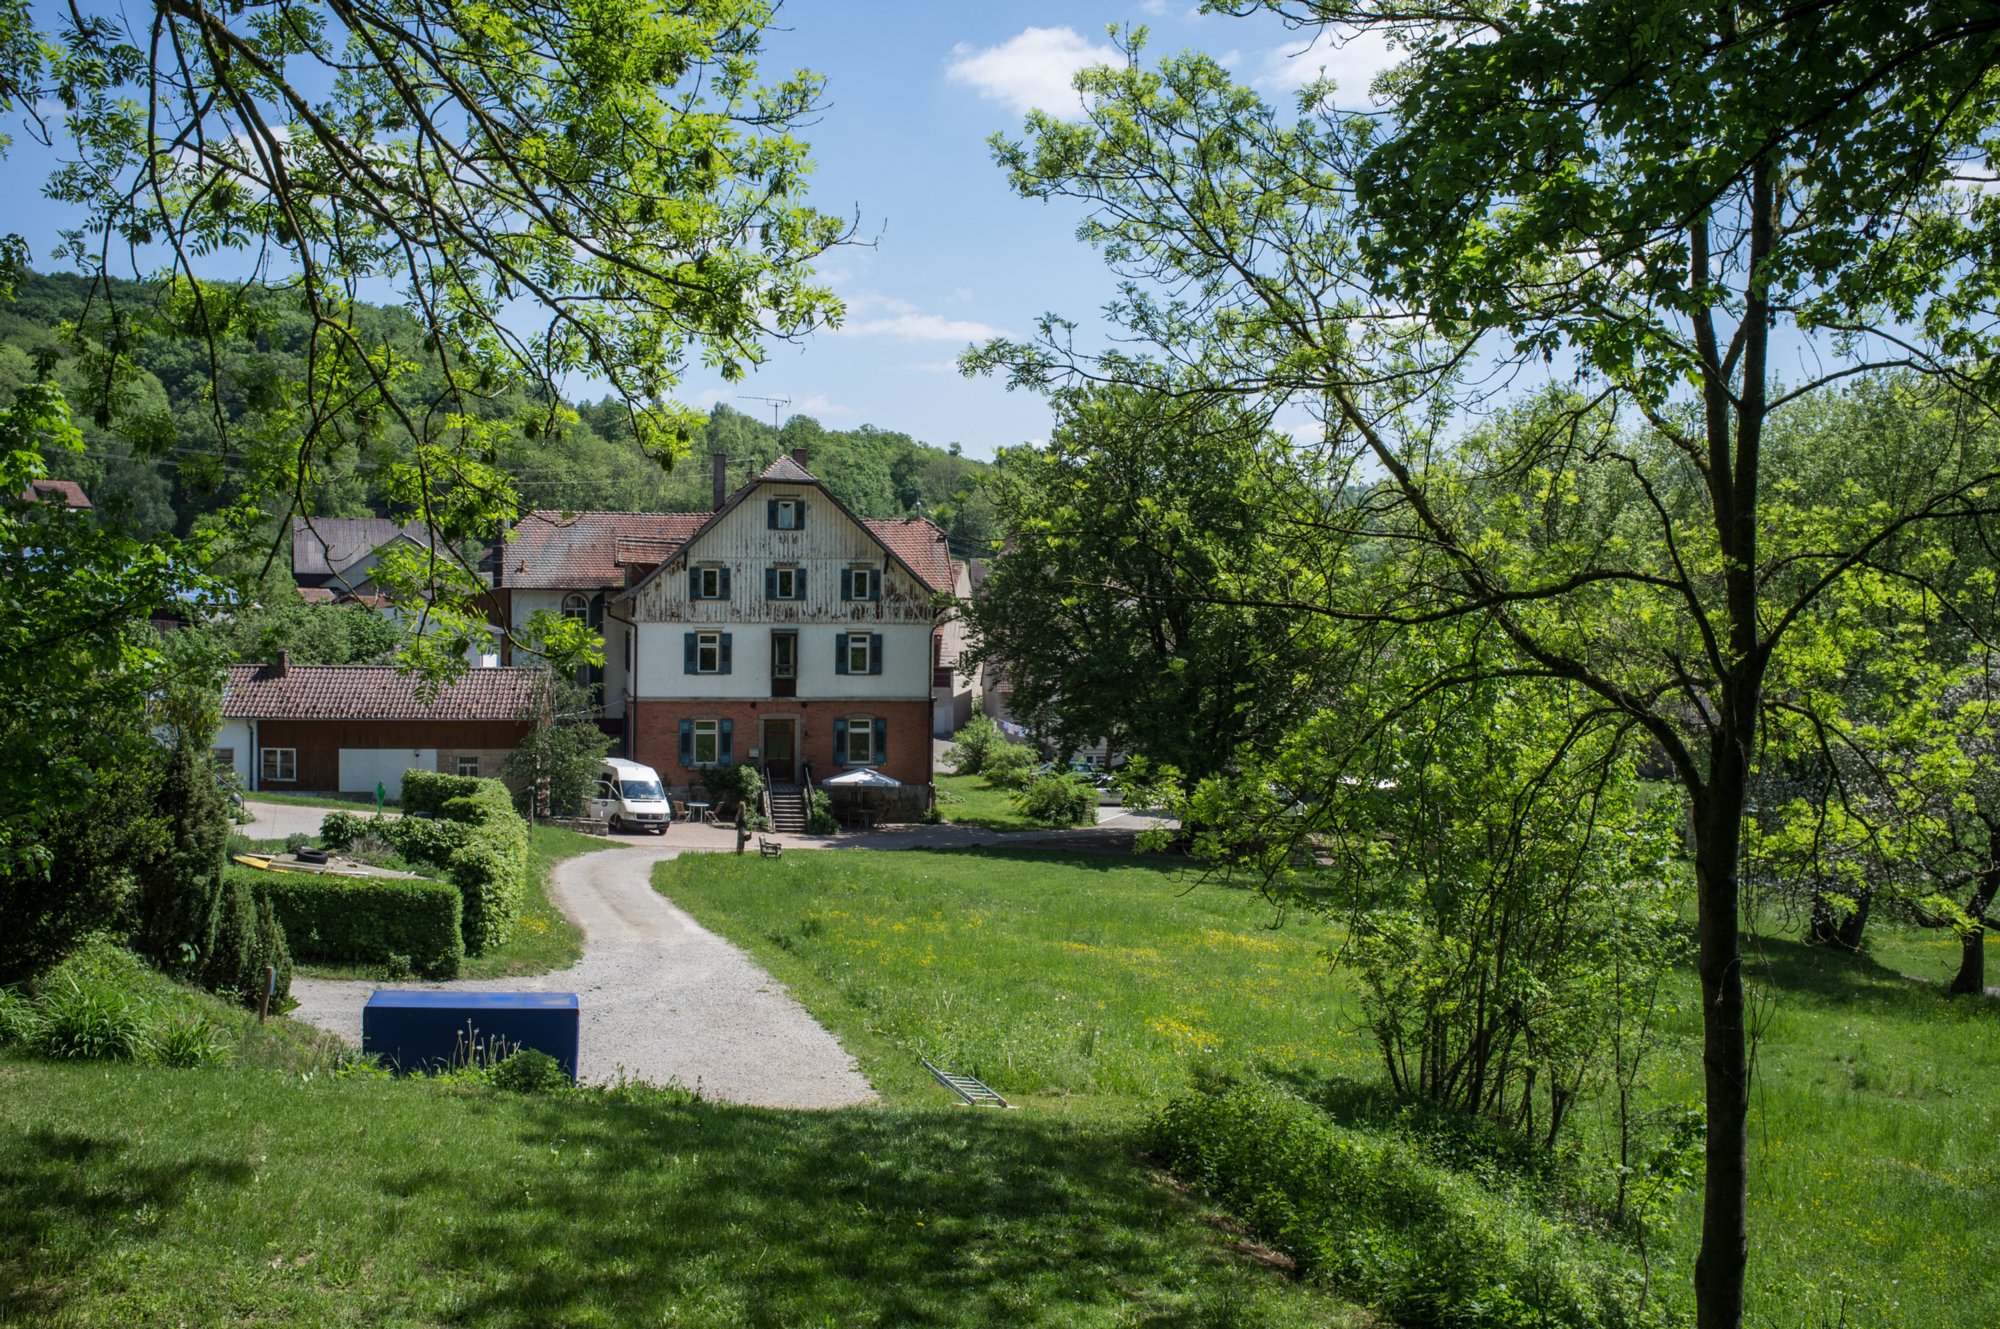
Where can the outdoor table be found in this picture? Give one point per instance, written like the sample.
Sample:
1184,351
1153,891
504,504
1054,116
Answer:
697,812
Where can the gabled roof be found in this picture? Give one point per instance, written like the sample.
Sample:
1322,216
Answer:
370,692
66,492
914,542
570,550
329,546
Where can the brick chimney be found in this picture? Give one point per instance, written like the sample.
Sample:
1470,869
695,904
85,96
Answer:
721,479
284,665
799,456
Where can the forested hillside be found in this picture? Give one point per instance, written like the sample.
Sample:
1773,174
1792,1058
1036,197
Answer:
158,458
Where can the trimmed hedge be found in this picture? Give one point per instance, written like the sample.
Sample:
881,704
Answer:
367,920
1373,1217
468,827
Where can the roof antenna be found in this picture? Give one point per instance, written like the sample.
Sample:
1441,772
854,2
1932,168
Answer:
775,403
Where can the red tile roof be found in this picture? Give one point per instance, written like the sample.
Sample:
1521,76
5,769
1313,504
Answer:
919,544
67,492
370,692
570,550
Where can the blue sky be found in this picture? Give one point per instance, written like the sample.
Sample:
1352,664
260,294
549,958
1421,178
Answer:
949,256
914,90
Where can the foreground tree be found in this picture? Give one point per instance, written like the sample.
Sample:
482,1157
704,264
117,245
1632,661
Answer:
1660,200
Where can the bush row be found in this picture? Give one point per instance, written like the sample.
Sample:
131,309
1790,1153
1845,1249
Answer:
469,829
370,920
1370,1215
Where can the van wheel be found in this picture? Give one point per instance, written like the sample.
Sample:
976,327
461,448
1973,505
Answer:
618,825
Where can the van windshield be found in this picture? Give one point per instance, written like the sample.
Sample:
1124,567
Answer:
640,789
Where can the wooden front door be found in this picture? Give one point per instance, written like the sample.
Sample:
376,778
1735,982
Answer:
781,750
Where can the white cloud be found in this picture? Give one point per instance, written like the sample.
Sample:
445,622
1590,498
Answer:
1352,63
818,405
921,327
1029,70
861,300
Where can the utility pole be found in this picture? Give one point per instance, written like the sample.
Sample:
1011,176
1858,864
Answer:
775,403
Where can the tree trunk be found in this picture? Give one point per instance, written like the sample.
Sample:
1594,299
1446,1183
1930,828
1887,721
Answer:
1970,980
1718,1268
1831,926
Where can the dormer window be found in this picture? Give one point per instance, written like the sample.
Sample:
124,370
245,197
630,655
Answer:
786,514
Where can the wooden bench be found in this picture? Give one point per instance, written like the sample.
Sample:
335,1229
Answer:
769,848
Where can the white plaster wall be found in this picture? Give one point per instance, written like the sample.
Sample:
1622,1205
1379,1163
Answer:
236,734
905,676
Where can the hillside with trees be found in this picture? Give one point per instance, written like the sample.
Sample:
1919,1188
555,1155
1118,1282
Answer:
162,450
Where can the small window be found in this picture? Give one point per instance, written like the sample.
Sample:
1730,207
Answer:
860,739
469,766
784,655
858,658
576,606
707,742
280,764
787,514
862,584
224,758
787,584
711,582
708,652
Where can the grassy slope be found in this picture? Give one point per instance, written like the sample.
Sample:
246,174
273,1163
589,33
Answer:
1094,983
132,1195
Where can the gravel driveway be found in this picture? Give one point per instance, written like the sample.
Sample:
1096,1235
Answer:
663,999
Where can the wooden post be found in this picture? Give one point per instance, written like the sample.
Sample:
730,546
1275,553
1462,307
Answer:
270,990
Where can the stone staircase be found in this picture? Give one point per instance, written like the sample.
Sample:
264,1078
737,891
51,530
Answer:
788,809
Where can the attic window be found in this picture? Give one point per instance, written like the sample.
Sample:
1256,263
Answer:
575,606
787,514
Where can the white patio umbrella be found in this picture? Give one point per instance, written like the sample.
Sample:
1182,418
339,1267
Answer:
863,777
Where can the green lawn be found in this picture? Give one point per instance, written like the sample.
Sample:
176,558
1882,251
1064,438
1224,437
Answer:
981,804
314,800
544,941
1090,986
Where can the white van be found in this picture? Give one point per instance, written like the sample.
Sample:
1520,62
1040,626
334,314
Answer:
630,796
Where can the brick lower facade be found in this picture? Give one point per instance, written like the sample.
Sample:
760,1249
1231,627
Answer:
653,732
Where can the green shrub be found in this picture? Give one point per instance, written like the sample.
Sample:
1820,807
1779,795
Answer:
366,919
79,1018
275,951
730,786
339,830
17,1017
1058,800
1372,1216
429,791
529,1071
1009,766
296,841
230,965
188,1039
819,818
972,745
426,839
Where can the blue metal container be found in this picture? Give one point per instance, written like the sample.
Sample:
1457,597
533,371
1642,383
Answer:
439,1030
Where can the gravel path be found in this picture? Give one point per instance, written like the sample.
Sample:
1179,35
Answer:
664,1000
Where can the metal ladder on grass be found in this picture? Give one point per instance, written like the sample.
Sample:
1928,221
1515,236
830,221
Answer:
975,1093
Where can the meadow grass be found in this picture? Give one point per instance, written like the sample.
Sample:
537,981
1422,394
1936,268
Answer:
981,804
326,800
1091,986
278,1191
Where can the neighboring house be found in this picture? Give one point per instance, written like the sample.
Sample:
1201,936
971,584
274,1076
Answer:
346,728
955,680
66,492
782,630
575,564
334,557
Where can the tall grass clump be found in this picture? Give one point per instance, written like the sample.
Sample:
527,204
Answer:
1378,1220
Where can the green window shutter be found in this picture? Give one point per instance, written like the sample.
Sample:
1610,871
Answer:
840,742
875,584
687,742
770,583
725,583
771,514
881,738
840,652
799,584
694,583
725,745
687,642
723,667
874,652
801,515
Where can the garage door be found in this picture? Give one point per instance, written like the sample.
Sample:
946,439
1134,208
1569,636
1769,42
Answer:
361,769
